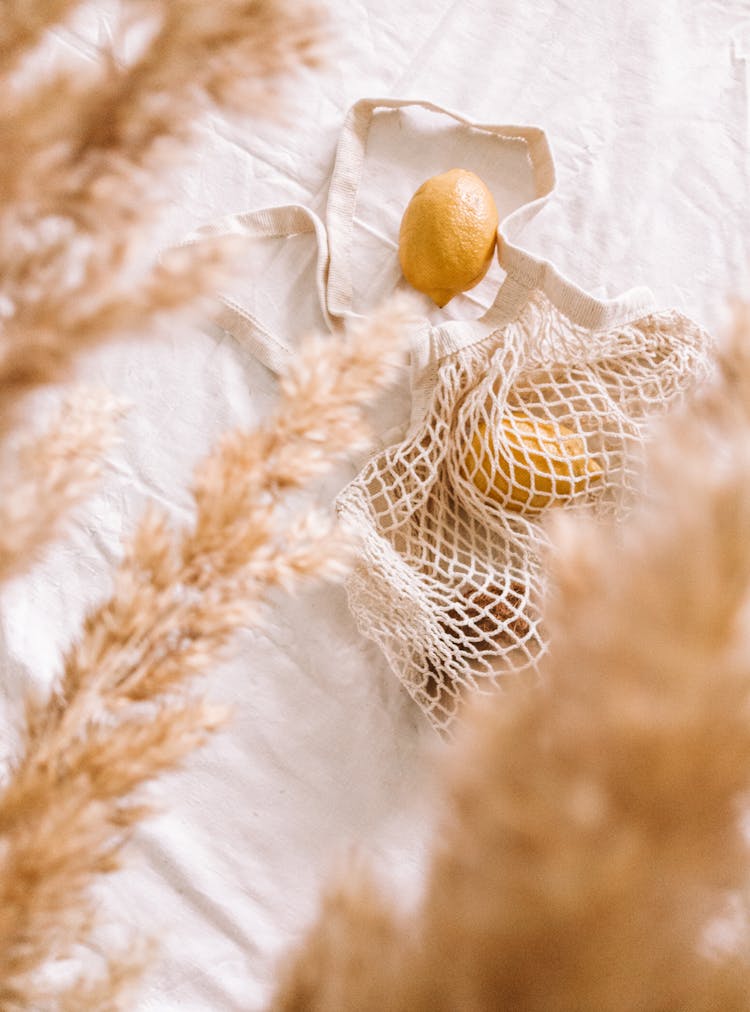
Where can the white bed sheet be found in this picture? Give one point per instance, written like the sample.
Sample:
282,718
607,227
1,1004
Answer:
646,107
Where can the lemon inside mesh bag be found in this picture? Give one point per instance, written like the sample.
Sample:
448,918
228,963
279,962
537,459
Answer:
543,413
529,464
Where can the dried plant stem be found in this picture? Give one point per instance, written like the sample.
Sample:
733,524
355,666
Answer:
594,837
87,163
120,714
43,478
86,169
41,342
22,25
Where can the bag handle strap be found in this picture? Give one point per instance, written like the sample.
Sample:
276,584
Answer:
347,176
282,221
523,269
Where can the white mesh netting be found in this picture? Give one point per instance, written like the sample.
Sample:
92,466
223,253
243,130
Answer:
540,414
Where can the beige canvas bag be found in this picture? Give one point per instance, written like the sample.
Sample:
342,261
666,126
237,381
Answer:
541,403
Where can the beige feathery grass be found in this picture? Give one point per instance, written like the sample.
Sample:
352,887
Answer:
593,844
44,476
23,24
86,164
121,712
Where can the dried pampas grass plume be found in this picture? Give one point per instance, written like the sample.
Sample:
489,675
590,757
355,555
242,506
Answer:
87,165
88,160
121,712
23,23
593,855
45,476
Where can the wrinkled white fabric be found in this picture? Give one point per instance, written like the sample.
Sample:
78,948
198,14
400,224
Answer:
646,107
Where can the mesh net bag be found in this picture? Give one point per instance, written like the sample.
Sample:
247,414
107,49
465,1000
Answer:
543,403
540,414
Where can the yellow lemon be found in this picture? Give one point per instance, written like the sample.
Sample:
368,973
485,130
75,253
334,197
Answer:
447,235
530,464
